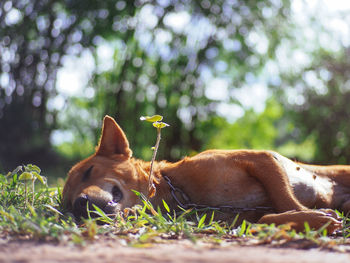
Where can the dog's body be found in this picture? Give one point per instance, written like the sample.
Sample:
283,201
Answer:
236,178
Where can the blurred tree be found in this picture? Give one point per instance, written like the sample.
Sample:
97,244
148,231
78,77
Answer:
164,53
162,65
267,130
320,110
35,37
251,131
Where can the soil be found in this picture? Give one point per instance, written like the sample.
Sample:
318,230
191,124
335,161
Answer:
105,250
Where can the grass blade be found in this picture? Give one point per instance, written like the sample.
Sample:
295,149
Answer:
201,221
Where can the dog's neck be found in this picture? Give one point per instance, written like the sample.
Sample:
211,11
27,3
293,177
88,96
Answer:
159,170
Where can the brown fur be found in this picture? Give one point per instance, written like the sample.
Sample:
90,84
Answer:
241,178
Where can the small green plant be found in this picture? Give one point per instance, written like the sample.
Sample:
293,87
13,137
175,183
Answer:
159,125
38,219
30,173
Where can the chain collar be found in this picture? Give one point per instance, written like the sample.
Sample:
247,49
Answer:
186,203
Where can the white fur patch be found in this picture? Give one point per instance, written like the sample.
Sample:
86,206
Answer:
306,185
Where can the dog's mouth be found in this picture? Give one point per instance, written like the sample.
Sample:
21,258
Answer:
108,202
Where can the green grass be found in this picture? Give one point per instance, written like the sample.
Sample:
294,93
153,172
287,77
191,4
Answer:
34,213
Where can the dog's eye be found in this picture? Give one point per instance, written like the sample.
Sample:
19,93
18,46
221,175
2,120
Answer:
117,194
87,174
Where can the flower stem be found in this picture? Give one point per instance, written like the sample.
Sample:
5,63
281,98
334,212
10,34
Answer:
151,187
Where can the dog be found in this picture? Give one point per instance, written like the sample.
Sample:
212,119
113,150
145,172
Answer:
262,186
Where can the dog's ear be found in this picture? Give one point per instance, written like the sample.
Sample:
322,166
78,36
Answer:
113,140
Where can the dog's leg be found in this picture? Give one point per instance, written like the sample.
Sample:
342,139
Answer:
265,167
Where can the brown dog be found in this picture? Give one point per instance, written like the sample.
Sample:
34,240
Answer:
235,180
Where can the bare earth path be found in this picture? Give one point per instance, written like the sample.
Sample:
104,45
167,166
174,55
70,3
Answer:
179,251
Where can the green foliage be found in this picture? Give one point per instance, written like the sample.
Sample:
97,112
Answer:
156,121
160,68
201,221
154,118
265,130
322,114
77,149
38,220
30,173
304,151
33,45
252,131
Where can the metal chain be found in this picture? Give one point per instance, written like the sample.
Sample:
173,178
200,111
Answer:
223,208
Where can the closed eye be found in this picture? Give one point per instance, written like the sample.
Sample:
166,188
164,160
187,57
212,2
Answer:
87,174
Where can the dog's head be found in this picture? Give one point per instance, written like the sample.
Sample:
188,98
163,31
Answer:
106,178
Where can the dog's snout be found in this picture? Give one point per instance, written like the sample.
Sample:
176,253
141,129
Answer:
84,205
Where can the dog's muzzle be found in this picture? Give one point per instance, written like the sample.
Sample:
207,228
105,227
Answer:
83,206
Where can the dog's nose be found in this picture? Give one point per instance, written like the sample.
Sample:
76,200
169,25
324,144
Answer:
84,203
80,207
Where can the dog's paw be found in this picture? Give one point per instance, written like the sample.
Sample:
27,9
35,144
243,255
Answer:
316,219
330,212
320,218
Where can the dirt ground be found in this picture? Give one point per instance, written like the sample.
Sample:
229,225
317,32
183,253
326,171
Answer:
179,251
